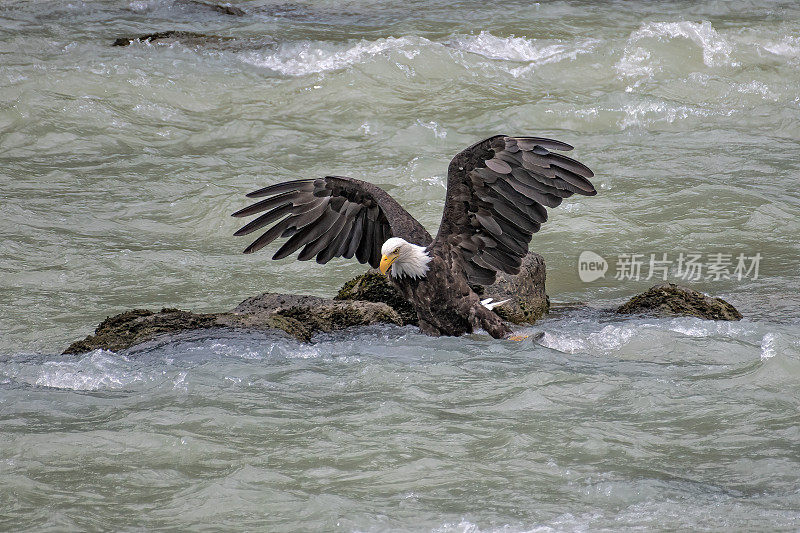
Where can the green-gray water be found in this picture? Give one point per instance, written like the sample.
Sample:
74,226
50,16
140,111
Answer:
121,166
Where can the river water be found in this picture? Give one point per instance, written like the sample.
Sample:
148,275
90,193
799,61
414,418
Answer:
121,165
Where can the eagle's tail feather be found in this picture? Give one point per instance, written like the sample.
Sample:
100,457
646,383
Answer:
489,304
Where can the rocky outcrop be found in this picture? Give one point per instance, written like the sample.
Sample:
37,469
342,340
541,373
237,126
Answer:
298,316
365,300
670,300
371,299
303,316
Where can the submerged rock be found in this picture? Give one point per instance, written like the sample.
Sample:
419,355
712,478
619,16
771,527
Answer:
672,300
225,9
189,38
197,40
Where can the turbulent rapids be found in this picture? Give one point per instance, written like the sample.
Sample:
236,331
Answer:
122,164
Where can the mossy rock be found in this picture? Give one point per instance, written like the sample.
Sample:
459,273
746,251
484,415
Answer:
139,325
298,316
670,300
373,286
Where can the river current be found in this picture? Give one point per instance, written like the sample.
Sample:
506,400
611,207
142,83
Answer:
120,167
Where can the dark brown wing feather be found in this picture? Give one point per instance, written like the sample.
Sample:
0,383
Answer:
497,191
329,217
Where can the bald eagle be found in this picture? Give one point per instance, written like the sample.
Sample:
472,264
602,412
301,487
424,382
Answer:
497,191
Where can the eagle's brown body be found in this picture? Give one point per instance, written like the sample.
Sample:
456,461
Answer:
497,191
445,303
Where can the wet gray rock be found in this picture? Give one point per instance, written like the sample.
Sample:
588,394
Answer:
526,292
670,300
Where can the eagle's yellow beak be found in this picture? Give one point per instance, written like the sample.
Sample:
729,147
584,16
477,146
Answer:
386,262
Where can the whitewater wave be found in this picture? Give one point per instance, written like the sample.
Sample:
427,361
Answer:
99,369
609,338
303,58
648,113
789,46
641,114
636,336
520,50
307,57
640,58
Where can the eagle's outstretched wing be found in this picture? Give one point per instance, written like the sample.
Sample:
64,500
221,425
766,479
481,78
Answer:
497,191
329,217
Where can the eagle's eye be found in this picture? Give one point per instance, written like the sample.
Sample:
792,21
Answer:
396,250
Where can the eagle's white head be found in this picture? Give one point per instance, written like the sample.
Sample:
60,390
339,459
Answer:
404,258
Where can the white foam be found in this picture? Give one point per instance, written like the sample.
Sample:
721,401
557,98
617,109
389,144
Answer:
506,48
306,351
226,350
438,131
648,113
756,87
465,526
768,346
142,6
609,338
519,49
179,383
96,370
635,63
300,59
638,62
697,327
789,46
716,49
